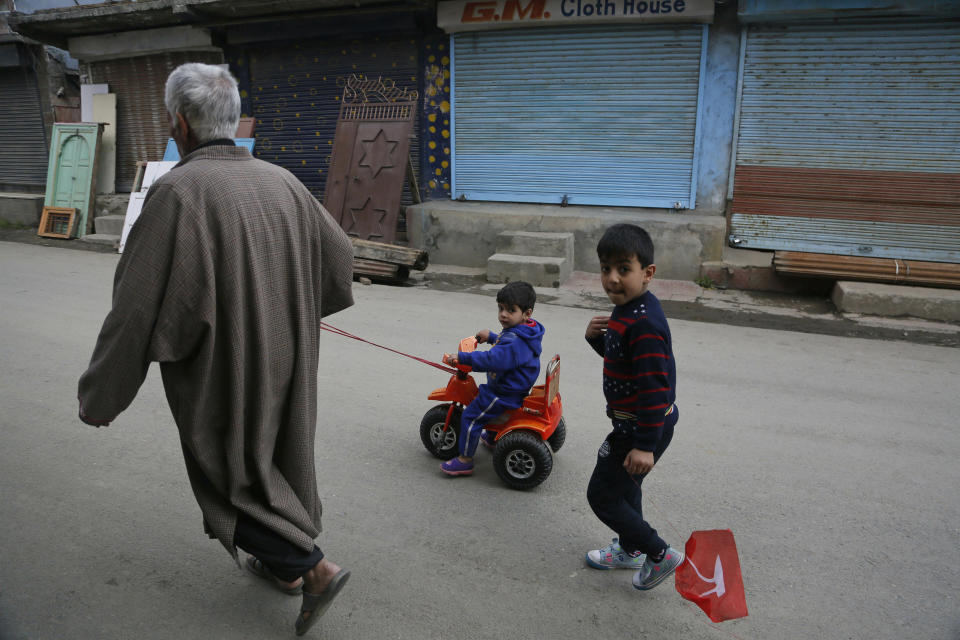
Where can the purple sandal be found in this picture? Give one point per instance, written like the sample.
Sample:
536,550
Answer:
454,467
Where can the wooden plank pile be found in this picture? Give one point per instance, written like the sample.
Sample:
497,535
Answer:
386,262
913,272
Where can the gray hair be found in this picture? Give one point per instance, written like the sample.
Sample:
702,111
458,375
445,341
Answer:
206,95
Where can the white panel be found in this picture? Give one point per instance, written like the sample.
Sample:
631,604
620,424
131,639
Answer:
87,91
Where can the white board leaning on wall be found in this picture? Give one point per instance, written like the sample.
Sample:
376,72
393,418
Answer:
152,171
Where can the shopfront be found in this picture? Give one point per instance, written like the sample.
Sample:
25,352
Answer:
576,103
849,137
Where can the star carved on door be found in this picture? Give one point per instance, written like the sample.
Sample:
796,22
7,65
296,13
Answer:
376,153
366,221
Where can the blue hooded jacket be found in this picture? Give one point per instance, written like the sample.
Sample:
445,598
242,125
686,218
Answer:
513,364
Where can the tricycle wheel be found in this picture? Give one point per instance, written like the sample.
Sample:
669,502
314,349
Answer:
442,444
559,436
522,460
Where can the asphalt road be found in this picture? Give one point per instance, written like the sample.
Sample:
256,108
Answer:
832,459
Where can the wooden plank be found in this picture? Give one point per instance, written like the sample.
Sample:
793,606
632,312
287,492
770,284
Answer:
414,258
938,274
377,270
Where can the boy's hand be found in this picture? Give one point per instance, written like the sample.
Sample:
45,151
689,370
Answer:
638,462
450,359
597,326
483,335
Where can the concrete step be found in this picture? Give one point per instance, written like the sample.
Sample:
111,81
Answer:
536,243
893,300
112,224
539,271
109,239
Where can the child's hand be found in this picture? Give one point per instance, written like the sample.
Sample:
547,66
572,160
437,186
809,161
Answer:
638,461
596,326
483,335
450,359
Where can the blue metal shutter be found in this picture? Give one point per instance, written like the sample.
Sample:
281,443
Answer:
593,115
296,89
860,122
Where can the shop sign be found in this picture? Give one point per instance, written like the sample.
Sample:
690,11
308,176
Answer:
477,15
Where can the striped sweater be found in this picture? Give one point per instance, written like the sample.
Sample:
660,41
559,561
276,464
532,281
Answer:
639,373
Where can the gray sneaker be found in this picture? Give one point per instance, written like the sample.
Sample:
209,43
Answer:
613,556
653,573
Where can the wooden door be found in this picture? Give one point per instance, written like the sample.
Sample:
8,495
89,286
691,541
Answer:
72,171
370,151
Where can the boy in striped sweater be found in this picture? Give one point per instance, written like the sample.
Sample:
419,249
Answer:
639,382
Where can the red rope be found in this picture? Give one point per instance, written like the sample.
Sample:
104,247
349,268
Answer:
332,329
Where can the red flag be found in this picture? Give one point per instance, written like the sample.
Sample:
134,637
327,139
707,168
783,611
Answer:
710,575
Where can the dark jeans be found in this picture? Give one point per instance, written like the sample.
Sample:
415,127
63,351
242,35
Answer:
284,559
615,495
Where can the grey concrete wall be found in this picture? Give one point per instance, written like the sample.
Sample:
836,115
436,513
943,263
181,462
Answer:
465,233
137,43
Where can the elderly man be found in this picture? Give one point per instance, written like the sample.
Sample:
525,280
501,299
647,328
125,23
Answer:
223,281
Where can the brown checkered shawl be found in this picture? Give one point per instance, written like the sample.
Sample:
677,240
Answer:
223,281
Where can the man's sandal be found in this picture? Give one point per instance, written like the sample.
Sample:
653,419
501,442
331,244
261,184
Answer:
256,568
316,604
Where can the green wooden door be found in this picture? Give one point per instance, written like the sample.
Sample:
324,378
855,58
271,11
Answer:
72,170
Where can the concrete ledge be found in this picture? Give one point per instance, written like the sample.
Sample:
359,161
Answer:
21,208
896,300
106,239
465,233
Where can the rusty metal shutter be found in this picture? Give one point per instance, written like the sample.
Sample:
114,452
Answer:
295,92
142,125
582,115
23,142
849,139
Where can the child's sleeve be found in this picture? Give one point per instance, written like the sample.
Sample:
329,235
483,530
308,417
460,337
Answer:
492,338
650,357
598,344
502,357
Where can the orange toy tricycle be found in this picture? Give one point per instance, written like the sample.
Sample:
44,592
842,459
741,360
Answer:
521,456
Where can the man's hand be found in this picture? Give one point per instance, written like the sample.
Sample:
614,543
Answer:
482,336
450,359
597,326
638,462
91,421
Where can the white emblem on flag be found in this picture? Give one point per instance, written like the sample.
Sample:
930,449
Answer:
717,580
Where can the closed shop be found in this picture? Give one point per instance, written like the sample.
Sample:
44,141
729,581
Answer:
23,143
294,90
593,115
849,139
142,124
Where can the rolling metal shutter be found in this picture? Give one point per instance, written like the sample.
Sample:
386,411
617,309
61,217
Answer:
142,124
589,115
23,142
295,94
849,139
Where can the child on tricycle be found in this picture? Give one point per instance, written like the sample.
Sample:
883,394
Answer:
512,366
